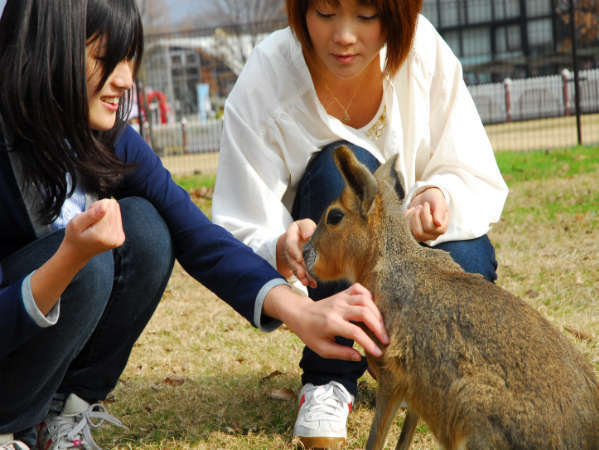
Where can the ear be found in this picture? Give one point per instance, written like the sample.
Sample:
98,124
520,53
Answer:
357,177
386,175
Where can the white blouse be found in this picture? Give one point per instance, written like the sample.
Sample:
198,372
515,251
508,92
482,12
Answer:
274,123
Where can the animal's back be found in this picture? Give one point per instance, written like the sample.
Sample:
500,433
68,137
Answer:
488,361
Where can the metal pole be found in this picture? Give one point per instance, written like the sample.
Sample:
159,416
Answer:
575,68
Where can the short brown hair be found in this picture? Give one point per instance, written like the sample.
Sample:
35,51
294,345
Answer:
398,18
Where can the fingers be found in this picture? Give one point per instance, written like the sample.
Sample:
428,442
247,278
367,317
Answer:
420,221
355,305
290,258
98,229
306,227
86,219
328,348
332,350
428,215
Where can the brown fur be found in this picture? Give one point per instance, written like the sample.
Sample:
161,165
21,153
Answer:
480,366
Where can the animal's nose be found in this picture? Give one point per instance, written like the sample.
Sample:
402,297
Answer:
309,256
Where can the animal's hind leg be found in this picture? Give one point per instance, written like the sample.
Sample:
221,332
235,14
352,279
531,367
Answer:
407,431
387,403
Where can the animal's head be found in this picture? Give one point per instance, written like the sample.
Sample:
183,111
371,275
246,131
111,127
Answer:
349,233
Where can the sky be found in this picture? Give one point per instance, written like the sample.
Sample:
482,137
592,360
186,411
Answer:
181,8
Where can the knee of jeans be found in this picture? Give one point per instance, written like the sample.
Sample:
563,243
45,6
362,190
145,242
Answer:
147,235
475,256
94,282
326,155
322,183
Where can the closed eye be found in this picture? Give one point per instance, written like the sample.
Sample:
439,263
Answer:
334,216
324,15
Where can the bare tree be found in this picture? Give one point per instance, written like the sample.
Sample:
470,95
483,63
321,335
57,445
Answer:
248,22
586,18
155,14
252,11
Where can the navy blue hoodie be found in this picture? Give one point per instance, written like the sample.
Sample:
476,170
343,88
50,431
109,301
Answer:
206,251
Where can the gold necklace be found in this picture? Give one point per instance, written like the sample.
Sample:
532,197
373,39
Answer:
346,116
377,128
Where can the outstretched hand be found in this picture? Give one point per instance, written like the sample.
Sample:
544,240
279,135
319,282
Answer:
428,215
317,323
290,259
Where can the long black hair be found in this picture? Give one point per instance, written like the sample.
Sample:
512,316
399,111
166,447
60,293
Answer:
43,91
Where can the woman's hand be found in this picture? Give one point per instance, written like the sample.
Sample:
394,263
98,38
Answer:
290,259
96,230
317,323
428,215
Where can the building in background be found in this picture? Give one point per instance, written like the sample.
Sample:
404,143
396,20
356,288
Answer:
499,39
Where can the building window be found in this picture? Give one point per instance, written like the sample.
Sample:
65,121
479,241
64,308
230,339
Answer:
477,41
450,12
538,8
540,32
479,11
453,40
177,60
508,39
431,12
507,9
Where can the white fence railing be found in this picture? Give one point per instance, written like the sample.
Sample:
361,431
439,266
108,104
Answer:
537,97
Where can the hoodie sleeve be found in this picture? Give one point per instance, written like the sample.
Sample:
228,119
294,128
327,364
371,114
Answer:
206,251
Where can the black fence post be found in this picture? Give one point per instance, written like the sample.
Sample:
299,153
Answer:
575,68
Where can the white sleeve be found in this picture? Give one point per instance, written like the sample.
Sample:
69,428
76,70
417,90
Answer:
251,181
31,307
462,162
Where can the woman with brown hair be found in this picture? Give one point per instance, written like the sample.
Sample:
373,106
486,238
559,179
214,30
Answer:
376,76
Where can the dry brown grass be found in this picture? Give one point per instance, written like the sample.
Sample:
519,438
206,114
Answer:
201,377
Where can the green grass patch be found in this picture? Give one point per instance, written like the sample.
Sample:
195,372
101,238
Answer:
190,182
543,164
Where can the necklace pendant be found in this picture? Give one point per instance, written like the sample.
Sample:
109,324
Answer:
346,117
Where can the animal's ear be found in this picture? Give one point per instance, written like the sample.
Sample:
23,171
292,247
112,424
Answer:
357,177
386,175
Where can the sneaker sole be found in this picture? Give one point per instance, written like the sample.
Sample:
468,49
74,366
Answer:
322,442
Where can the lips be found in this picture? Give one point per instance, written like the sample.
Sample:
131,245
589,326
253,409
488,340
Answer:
112,103
344,59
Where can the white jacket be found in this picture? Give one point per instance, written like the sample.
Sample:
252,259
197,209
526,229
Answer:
274,123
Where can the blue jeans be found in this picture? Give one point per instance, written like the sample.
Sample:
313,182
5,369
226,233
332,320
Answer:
320,185
102,313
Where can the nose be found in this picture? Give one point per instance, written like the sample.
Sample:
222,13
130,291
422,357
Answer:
123,75
344,33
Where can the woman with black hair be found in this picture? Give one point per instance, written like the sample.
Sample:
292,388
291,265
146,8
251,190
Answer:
91,223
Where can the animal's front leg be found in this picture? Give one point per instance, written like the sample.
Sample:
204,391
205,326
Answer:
387,403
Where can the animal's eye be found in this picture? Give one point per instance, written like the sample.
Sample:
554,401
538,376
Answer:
334,216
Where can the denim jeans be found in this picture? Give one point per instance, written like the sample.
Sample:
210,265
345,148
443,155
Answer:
320,185
102,313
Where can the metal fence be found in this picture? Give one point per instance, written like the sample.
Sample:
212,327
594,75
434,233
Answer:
532,67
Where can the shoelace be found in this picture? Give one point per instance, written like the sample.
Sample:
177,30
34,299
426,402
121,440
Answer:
330,402
69,429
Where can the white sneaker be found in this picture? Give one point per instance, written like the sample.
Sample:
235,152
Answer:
322,415
71,428
7,442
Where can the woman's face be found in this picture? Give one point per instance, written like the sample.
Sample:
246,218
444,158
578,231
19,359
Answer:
346,35
104,102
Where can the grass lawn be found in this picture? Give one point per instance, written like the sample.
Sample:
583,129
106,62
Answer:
201,377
